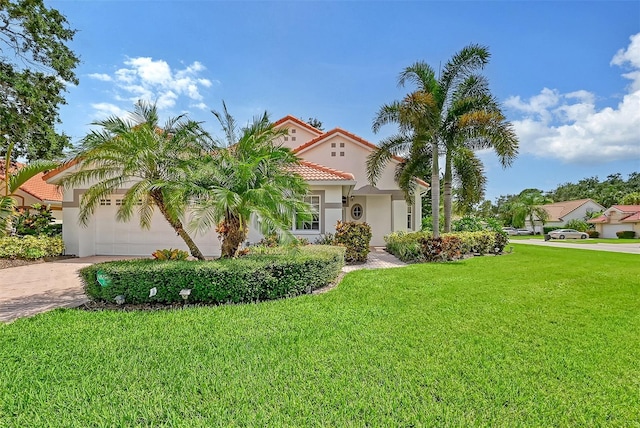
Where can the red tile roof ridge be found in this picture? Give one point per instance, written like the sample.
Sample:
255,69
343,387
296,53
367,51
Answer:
298,122
627,208
343,174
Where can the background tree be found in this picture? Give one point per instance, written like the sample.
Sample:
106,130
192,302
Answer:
248,175
153,162
527,206
631,199
315,123
452,114
35,66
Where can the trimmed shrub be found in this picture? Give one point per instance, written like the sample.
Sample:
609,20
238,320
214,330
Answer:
406,246
355,237
626,234
37,223
30,247
444,249
255,277
593,234
325,239
579,225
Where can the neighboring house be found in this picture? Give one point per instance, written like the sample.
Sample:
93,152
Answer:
562,212
616,219
38,191
334,166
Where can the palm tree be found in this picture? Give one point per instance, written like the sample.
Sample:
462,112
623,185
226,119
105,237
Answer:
449,115
528,205
250,174
150,161
11,179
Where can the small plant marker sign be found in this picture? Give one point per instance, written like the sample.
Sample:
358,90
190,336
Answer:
103,279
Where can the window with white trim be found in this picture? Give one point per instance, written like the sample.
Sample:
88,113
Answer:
314,222
409,216
105,202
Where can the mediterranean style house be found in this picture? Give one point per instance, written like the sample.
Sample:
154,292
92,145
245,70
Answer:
560,213
333,164
618,218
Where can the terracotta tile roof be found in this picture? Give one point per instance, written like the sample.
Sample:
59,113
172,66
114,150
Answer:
354,137
558,210
297,122
633,218
39,188
627,208
314,172
632,214
602,219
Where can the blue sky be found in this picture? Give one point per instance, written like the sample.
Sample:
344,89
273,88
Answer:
567,73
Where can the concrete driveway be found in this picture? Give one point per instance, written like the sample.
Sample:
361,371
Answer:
616,248
31,289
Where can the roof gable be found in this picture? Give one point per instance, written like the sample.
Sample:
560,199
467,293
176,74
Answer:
298,122
558,210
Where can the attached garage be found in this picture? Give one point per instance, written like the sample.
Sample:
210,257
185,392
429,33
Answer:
609,230
105,235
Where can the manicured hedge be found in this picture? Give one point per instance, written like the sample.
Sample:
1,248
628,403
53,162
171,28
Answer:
420,246
593,234
626,234
30,247
281,273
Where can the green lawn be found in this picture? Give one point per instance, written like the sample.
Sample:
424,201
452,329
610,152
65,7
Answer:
540,337
579,241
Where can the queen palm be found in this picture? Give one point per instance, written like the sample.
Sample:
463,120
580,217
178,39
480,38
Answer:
450,115
250,175
151,161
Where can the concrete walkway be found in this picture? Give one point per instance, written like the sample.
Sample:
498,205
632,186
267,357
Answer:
616,248
29,290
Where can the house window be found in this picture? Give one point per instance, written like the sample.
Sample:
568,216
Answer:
333,154
314,222
409,216
286,138
293,131
341,153
333,145
118,202
293,138
341,144
105,202
356,211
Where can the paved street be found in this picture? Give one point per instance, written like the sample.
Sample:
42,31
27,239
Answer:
616,248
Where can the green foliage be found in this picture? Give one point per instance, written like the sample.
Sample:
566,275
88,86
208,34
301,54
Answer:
255,277
30,247
406,246
475,224
445,248
137,149
527,206
548,229
355,237
325,239
607,192
36,66
631,199
579,225
593,234
37,223
626,234
170,254
420,246
248,175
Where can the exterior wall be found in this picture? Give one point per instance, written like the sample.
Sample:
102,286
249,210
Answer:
399,216
378,209
298,135
353,160
609,230
24,199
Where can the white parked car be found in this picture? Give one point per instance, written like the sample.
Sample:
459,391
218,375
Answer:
510,230
567,234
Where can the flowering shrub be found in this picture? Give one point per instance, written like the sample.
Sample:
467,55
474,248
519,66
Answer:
355,237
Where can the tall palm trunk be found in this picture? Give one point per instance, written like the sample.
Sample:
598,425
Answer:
176,224
448,179
435,188
233,235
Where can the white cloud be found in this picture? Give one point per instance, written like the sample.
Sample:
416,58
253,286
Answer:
103,110
100,76
570,128
145,78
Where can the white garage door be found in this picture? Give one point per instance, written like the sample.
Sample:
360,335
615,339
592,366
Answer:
118,238
609,230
